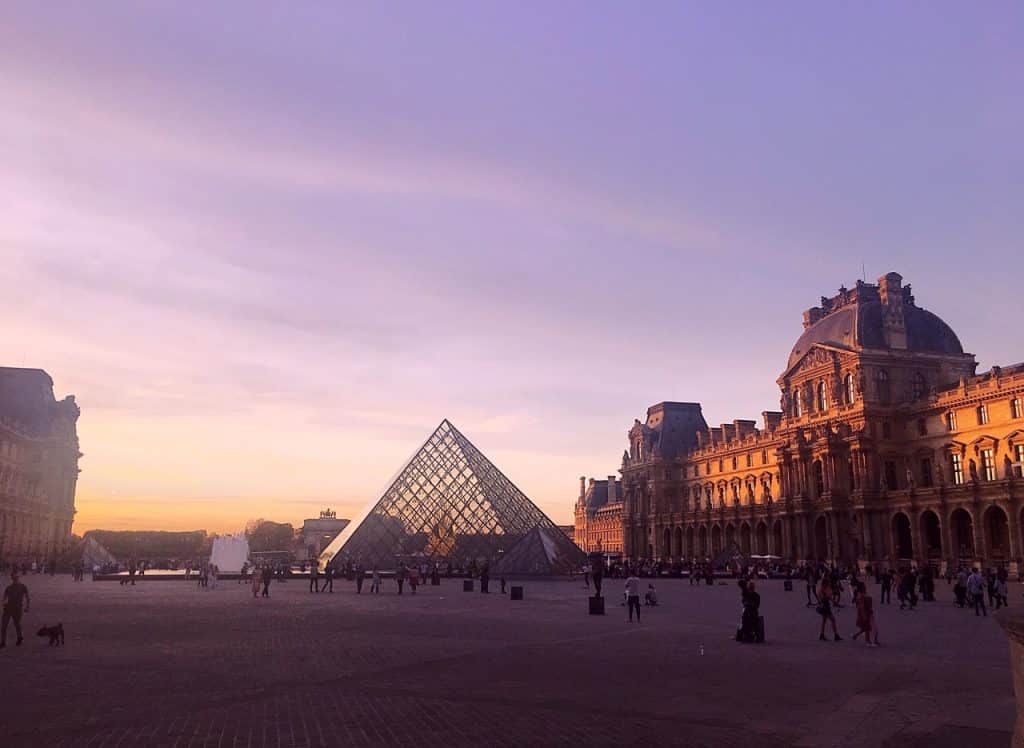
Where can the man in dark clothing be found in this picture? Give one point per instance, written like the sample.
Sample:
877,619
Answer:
314,577
328,578
268,575
15,594
887,587
360,573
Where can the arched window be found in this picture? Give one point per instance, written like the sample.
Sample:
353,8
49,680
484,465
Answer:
848,390
798,403
822,404
918,386
882,386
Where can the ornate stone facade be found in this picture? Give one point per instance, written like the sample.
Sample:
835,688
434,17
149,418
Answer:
888,448
38,466
598,521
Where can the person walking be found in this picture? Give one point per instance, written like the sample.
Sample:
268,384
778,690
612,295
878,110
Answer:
375,581
360,573
866,616
485,578
328,578
1001,592
825,609
15,602
976,589
414,578
633,596
255,582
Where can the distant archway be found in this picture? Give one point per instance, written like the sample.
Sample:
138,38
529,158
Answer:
777,538
677,549
997,534
703,541
716,540
903,541
666,547
745,539
931,535
963,534
762,539
691,550
730,536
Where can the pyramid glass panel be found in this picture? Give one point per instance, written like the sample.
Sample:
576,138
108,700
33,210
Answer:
448,503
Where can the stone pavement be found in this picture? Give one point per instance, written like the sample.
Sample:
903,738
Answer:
166,664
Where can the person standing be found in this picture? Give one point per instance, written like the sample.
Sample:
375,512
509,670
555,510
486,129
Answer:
485,578
314,576
960,588
268,575
400,576
255,582
14,596
360,573
825,609
633,596
809,578
414,578
976,589
328,578
375,581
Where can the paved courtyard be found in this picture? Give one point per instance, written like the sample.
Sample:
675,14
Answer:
165,664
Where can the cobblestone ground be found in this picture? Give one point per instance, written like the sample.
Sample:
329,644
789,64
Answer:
165,664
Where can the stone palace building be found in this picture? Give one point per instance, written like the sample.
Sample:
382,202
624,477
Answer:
38,466
888,448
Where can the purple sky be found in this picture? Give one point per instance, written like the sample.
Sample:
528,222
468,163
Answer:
270,247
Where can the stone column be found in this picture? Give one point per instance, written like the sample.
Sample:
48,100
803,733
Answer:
1012,621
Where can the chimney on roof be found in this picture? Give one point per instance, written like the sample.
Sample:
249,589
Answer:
613,489
894,325
583,487
812,315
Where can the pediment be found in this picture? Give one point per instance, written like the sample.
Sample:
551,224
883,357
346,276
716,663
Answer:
817,355
984,442
1015,436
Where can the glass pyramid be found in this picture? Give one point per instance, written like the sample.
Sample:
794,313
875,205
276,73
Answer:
544,552
448,503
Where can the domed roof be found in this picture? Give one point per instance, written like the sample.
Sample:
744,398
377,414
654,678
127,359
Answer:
859,326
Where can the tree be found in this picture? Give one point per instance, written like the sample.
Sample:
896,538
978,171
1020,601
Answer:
265,535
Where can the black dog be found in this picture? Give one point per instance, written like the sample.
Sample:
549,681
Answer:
56,634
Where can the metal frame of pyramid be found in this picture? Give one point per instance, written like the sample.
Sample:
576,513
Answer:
448,502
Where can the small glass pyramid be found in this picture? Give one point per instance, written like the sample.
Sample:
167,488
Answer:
448,503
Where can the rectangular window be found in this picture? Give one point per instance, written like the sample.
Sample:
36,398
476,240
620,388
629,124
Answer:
988,463
735,464
1018,470
922,427
982,415
764,456
926,472
707,467
958,468
721,466
886,430
1016,409
951,420
750,459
